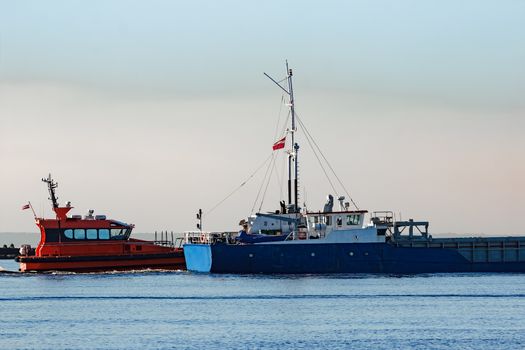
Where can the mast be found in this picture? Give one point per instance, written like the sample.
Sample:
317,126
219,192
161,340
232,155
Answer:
51,185
293,147
293,169
61,212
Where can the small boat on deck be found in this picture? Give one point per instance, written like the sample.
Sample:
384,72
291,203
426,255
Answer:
92,243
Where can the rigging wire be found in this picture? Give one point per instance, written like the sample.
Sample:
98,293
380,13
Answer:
279,117
308,137
326,160
273,157
279,177
283,79
262,183
241,185
275,138
271,165
283,130
266,188
283,170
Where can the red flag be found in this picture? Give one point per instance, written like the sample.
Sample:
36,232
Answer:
27,206
279,144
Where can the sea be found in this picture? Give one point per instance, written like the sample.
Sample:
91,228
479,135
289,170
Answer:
183,310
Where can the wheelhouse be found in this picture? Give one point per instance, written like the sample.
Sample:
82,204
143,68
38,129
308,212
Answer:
81,231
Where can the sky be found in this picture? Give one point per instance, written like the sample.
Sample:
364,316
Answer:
147,111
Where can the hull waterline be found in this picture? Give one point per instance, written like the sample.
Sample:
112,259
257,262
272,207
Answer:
336,258
173,261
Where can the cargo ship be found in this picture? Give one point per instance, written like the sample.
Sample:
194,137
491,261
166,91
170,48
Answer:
294,240
92,243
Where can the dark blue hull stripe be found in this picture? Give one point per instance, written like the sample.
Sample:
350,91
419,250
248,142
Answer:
335,258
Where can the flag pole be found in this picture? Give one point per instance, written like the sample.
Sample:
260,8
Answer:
33,210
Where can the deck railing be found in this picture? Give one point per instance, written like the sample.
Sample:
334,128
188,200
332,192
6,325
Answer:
201,237
165,239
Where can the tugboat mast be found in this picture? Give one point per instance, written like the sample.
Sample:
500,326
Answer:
51,185
294,147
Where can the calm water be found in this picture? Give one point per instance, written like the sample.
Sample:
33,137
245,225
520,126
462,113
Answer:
162,310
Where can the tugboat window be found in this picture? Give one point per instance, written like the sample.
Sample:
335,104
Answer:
117,233
80,233
103,233
339,221
91,233
68,233
328,221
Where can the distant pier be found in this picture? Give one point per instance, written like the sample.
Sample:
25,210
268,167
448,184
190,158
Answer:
8,252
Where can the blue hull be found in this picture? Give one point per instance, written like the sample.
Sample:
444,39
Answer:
335,258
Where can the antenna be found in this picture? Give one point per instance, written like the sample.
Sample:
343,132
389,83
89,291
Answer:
52,185
342,206
199,218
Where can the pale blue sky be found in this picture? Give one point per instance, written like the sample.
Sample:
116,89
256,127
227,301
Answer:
170,96
474,49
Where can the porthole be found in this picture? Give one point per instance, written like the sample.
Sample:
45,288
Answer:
312,254
366,253
250,255
351,253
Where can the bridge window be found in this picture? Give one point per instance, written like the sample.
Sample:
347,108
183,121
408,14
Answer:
103,233
53,235
328,220
80,233
353,219
339,221
117,233
91,233
68,233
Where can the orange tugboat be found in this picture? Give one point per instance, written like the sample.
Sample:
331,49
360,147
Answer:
92,243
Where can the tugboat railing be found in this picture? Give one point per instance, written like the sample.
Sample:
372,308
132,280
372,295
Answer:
165,239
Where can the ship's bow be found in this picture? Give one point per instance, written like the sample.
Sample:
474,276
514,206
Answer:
198,257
